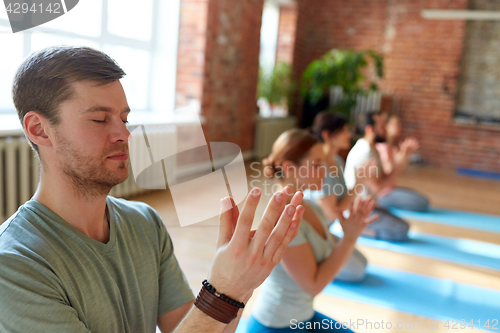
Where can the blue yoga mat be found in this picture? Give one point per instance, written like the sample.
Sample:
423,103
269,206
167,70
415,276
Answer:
457,250
430,297
453,217
478,173
242,326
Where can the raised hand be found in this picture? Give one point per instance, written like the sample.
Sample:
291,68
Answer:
409,146
244,258
359,218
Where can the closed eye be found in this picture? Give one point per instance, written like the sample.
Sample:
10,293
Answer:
103,121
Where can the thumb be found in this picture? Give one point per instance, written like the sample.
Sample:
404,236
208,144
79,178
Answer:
340,214
226,224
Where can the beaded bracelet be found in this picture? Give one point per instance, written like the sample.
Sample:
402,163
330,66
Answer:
209,287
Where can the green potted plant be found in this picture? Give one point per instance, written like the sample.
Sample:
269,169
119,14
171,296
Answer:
276,87
342,68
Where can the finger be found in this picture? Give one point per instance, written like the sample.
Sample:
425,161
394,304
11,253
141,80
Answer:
351,206
364,210
355,207
236,214
299,212
340,214
245,219
371,219
371,206
291,233
226,222
286,194
252,233
271,216
297,198
361,208
279,232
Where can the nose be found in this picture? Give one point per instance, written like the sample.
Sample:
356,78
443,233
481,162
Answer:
119,132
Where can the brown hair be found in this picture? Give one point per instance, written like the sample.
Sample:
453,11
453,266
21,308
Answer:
331,122
43,81
293,145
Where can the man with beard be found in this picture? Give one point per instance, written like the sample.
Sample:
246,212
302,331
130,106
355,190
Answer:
73,259
373,179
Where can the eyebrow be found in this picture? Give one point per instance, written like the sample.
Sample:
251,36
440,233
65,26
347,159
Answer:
104,109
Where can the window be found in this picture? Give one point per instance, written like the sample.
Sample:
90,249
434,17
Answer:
141,36
269,35
478,99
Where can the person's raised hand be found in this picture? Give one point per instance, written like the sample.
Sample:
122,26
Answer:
244,257
359,218
409,146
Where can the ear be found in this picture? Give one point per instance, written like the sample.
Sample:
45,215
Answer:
325,135
36,127
368,129
288,167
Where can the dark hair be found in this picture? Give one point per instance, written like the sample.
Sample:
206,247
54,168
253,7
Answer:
292,145
367,119
332,122
43,81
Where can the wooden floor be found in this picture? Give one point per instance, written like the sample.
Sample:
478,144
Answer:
195,245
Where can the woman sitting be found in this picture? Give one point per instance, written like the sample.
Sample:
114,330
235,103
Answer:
394,152
314,258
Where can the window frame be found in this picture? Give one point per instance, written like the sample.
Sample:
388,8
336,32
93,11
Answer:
108,39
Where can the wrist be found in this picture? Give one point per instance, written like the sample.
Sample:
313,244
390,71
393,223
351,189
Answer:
350,238
235,292
216,304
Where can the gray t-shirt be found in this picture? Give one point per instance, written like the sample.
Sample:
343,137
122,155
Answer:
56,279
334,183
280,299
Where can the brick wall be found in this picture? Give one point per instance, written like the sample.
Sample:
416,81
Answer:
191,50
286,34
421,67
231,71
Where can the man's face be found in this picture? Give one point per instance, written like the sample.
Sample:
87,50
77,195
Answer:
394,127
380,128
91,141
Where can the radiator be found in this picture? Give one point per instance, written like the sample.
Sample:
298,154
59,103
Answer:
364,103
267,130
19,171
19,174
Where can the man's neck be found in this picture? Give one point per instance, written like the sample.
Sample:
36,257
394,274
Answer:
84,213
392,141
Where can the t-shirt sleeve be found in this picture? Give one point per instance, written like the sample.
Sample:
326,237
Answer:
174,288
357,156
31,299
